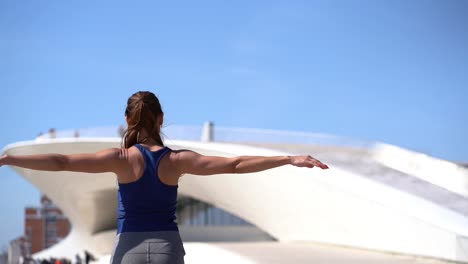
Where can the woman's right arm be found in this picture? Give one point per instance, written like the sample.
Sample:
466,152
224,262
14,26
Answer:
193,163
108,160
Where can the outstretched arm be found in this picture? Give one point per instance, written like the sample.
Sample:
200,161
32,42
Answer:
109,160
191,162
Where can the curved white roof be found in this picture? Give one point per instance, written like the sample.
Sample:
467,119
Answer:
340,206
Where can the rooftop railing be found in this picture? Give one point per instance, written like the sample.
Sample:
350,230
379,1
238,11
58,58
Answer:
209,132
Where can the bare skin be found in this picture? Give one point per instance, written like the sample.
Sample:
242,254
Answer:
128,164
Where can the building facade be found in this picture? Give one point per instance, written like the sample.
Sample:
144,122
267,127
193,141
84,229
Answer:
44,226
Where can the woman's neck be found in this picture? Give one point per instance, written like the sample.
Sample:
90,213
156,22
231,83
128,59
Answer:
144,138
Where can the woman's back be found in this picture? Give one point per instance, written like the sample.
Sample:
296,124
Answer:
147,204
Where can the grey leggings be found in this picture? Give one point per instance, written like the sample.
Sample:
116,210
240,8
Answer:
163,247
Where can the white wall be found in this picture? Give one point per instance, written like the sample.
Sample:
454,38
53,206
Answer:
222,233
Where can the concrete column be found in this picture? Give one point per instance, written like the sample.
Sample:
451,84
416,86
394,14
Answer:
208,132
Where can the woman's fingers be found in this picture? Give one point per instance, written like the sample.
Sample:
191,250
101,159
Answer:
323,166
318,163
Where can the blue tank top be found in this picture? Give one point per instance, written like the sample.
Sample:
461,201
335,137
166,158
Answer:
148,204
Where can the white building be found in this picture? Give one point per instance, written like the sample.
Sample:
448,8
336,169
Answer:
375,197
15,251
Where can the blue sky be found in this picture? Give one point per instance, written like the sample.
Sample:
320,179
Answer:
391,71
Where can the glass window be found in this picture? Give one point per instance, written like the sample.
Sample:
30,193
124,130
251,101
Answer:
193,212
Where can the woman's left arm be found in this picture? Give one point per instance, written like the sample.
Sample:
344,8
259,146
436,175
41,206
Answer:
109,160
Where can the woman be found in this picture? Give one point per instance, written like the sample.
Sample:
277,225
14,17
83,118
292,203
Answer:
148,173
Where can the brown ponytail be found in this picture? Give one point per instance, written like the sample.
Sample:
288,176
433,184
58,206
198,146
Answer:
143,112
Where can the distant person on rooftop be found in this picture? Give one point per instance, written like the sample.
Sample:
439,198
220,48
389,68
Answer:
148,173
52,133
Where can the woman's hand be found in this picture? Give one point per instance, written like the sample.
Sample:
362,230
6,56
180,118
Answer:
2,160
307,161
